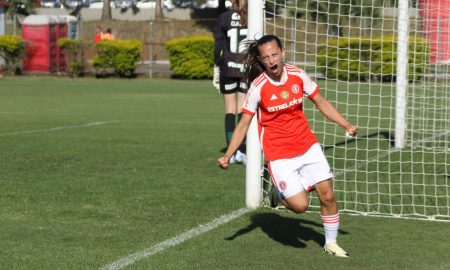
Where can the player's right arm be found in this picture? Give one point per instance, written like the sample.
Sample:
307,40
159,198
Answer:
251,105
219,47
239,134
329,111
220,37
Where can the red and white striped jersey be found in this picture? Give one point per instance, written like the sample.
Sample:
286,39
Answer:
283,128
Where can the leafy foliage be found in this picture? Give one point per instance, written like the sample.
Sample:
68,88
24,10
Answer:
12,50
75,49
365,59
119,55
335,12
191,57
21,7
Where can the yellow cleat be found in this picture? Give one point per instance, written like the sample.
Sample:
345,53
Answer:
335,250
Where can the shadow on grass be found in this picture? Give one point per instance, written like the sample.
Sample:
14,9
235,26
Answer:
385,134
292,232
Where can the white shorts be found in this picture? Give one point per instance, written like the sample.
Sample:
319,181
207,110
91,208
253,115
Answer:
293,175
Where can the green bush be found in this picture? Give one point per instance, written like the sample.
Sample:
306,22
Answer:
366,59
75,50
12,50
121,56
191,57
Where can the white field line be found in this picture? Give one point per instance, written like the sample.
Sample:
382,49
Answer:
176,240
58,128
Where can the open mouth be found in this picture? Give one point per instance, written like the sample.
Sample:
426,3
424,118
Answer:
274,67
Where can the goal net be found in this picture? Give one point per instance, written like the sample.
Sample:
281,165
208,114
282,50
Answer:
386,66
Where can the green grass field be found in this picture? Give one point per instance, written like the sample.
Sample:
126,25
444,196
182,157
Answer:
93,171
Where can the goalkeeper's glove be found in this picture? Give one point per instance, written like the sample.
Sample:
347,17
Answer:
216,78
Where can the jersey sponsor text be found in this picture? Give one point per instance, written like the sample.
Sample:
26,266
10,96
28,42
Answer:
286,105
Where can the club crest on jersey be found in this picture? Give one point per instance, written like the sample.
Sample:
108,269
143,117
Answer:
284,94
295,89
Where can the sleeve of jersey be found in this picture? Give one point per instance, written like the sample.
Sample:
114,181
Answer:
309,86
219,37
252,100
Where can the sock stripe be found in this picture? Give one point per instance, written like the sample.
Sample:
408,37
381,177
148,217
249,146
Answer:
330,219
331,226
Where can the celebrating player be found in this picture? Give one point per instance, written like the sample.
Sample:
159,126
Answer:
295,159
230,44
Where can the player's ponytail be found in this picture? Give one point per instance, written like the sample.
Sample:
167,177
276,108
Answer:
253,67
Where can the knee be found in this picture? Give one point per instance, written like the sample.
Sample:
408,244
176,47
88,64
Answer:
297,208
300,209
328,198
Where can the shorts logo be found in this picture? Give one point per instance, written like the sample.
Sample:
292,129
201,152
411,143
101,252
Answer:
283,185
284,94
295,88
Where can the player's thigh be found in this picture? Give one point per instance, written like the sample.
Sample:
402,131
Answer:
287,181
285,177
315,168
229,87
230,102
298,202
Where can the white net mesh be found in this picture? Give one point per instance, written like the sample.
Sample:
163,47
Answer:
349,47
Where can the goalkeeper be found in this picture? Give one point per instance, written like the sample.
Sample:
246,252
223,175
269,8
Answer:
295,159
230,37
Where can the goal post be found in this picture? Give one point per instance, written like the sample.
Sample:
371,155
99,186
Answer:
386,66
253,187
402,76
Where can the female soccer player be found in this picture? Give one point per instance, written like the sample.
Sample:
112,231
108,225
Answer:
295,159
230,44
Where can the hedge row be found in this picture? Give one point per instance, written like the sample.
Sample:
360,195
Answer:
118,56
12,50
75,50
121,56
367,59
191,57
348,59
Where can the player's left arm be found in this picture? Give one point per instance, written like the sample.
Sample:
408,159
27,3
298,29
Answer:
330,112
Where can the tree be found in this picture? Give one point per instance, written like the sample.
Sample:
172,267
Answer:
21,7
158,11
106,10
18,10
